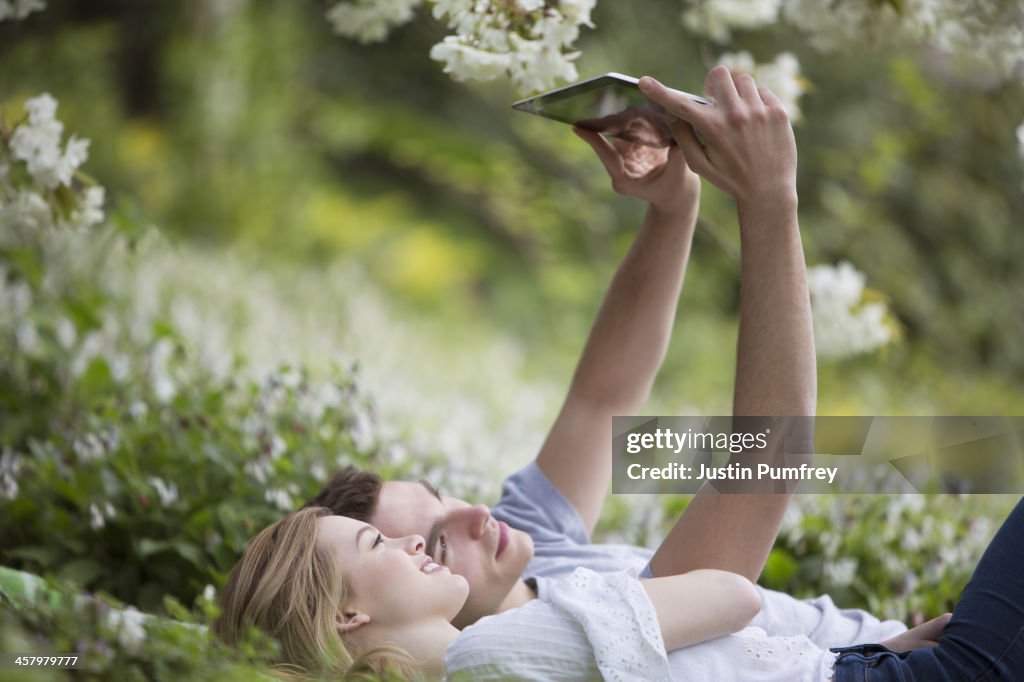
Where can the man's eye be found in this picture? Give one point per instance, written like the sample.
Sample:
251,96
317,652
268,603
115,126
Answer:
380,539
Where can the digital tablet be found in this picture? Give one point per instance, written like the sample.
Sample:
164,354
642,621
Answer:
611,104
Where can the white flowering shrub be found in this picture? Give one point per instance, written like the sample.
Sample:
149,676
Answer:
370,21
716,19
989,37
845,323
40,186
905,557
115,642
527,41
166,403
19,9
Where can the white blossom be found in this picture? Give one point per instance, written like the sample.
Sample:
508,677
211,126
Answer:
842,572
277,446
96,520
27,337
167,492
130,625
90,208
27,209
161,382
19,9
37,143
89,448
66,333
280,498
370,21
990,36
258,469
844,325
781,76
715,19
10,465
1020,139
527,41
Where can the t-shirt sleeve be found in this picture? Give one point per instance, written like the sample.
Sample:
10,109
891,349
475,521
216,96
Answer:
532,503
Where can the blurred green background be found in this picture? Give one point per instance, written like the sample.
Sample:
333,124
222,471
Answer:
250,122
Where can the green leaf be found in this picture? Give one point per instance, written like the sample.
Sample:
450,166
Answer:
81,571
780,568
148,546
44,556
97,377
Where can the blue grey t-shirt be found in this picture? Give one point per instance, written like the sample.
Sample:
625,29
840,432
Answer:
531,503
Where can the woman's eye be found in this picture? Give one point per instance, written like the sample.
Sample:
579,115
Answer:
444,548
380,539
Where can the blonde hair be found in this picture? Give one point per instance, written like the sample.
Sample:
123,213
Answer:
291,589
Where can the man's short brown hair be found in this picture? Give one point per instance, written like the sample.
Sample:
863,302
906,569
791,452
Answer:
351,492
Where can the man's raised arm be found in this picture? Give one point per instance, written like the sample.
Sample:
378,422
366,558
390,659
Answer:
629,338
749,152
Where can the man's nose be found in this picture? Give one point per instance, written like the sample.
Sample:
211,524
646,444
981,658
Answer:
475,518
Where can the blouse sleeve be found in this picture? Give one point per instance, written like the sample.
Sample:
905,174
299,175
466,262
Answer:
587,626
619,621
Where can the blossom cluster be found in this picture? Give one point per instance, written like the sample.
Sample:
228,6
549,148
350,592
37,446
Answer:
781,76
19,9
370,21
716,19
39,185
528,41
844,324
991,35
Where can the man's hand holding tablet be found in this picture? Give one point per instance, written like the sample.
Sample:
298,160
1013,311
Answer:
611,104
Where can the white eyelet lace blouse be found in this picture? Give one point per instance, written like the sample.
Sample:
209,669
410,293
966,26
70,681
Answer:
592,626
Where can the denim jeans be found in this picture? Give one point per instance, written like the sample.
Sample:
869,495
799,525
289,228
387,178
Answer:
983,642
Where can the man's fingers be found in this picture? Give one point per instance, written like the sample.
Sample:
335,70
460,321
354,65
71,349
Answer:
674,102
747,90
719,81
611,159
772,101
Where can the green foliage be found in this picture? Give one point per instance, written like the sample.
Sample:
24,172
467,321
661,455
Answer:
127,481
114,643
904,557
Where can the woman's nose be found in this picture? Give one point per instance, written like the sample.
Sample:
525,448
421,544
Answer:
413,544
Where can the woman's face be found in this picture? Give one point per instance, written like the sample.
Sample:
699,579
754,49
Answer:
390,579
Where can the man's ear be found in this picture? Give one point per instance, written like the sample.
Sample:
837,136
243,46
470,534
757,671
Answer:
350,621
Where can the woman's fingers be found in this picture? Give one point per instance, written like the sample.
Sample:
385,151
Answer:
674,102
692,149
609,156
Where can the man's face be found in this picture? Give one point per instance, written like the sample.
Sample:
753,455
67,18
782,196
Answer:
464,537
